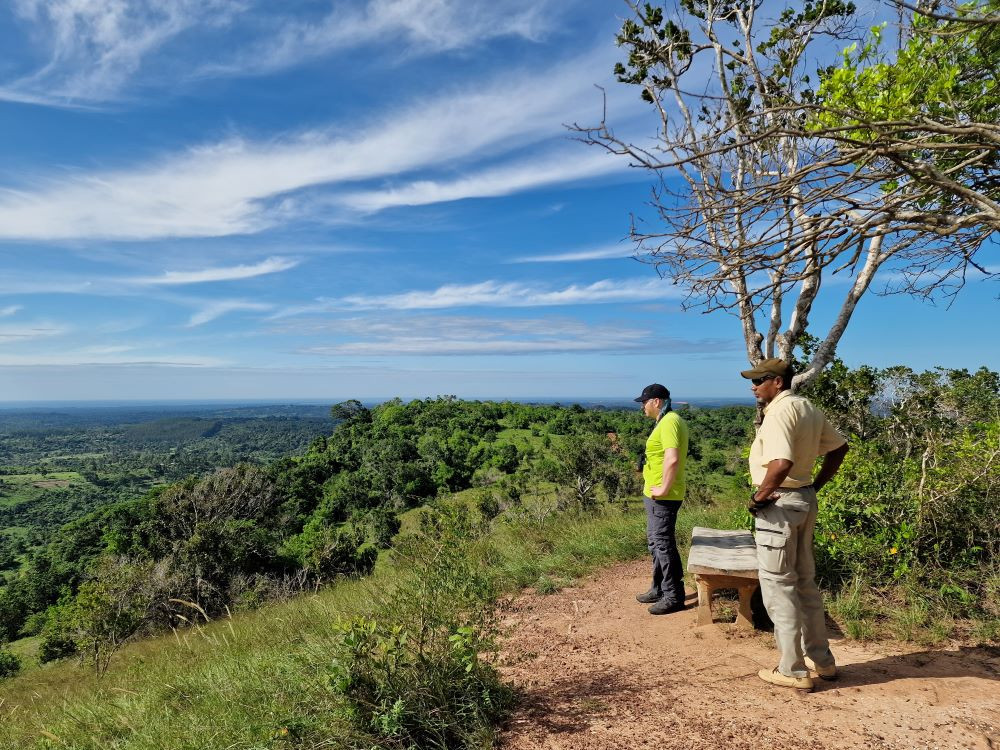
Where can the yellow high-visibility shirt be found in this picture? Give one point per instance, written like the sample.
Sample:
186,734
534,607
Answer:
670,432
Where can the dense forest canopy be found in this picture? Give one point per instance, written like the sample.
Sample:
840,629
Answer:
57,464
233,537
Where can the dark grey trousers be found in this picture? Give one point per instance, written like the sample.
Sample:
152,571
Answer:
668,571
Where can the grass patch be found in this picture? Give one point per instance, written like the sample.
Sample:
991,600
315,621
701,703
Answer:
985,631
523,438
907,612
26,649
549,585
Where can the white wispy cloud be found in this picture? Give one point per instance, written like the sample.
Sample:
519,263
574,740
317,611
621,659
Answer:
94,48
232,273
240,187
6,312
466,335
24,285
414,27
513,294
95,51
496,294
413,345
217,309
563,166
620,250
89,357
10,333
131,286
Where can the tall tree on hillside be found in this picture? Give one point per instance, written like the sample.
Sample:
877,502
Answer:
757,207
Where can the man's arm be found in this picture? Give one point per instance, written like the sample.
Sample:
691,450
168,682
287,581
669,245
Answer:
831,462
671,460
777,470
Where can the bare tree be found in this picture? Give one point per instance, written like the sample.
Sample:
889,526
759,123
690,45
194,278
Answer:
758,206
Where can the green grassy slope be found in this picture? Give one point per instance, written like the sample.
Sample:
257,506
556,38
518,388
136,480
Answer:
261,679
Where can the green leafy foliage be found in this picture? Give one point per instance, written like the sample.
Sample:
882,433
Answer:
10,663
108,610
930,107
916,498
415,675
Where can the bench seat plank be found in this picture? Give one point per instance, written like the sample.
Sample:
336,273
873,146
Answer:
723,558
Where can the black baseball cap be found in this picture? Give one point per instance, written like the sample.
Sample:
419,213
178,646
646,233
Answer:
654,390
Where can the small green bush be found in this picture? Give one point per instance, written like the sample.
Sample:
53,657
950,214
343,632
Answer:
10,663
401,689
416,673
55,646
548,585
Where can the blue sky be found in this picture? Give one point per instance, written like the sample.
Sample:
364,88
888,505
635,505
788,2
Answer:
326,200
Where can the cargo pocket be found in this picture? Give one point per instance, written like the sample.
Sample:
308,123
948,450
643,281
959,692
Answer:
772,553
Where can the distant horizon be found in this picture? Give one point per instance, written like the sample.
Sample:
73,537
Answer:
124,403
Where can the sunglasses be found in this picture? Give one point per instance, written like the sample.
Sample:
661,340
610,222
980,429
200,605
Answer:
762,379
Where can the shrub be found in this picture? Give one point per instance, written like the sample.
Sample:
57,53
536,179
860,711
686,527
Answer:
401,689
10,663
383,526
55,646
416,673
109,609
325,552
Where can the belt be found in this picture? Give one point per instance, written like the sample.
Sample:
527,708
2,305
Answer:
795,489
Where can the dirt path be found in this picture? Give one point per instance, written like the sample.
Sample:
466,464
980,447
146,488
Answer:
598,671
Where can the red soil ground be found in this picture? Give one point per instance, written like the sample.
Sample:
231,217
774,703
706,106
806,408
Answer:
598,671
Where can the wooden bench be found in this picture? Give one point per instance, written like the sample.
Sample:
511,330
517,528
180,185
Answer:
722,559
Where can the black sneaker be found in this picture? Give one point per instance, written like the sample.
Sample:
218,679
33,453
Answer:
649,597
666,605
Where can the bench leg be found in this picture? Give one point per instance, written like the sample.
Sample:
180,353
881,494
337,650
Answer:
744,618
704,601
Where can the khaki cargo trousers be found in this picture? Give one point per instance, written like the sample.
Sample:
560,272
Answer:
787,572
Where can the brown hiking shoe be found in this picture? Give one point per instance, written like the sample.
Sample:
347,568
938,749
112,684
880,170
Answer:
776,678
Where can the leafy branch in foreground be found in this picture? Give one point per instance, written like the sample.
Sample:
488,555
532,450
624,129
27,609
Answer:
926,119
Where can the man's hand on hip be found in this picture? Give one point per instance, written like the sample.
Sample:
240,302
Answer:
756,505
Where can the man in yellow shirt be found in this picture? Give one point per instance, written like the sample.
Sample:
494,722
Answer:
792,436
663,491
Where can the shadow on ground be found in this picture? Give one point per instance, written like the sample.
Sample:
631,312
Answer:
967,661
562,707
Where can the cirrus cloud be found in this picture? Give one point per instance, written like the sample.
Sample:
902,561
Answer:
464,335
238,186
231,273
499,294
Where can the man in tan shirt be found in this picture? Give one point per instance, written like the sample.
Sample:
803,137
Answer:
792,436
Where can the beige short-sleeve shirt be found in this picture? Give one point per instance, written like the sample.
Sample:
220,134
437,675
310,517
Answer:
796,430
